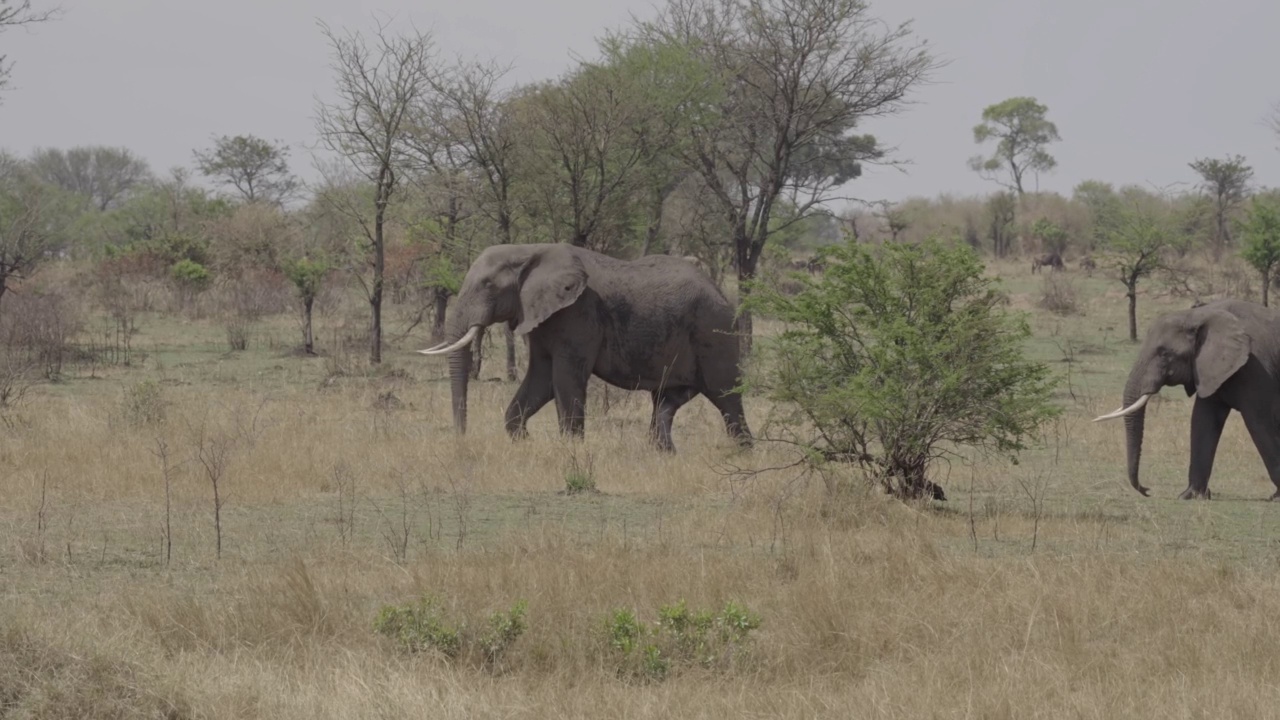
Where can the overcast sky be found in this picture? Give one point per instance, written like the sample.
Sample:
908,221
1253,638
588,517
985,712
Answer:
1138,88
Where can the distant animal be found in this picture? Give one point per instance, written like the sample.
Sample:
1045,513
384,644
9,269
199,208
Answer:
1087,263
655,324
1053,260
1227,354
814,265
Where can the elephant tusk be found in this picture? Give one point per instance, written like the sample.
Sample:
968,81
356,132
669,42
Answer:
437,346
1135,407
461,343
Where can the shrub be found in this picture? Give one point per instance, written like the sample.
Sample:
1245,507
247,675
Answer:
422,626
144,404
1058,294
190,278
679,638
579,477
900,355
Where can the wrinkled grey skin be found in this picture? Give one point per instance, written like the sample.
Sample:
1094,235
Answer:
657,324
1053,260
1227,354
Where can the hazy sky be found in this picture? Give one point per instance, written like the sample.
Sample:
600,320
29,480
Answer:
1138,88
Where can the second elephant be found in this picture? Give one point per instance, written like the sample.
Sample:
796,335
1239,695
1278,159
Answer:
656,324
1227,354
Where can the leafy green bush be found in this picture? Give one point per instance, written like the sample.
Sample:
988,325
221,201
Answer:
422,626
897,356
679,638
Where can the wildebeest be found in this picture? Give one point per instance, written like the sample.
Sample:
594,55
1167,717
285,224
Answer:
1053,260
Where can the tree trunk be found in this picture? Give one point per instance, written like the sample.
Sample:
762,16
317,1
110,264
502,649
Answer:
746,261
1266,284
655,223
437,319
510,337
1133,310
308,340
375,297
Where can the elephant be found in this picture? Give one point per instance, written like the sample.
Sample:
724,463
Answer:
1053,260
657,323
1227,354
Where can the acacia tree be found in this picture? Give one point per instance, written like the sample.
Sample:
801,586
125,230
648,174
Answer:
16,13
377,86
1261,232
1226,183
1021,132
257,169
105,175
791,81
1138,246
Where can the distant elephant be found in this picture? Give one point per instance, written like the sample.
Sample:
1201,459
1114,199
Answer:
1087,264
657,324
1227,354
1053,260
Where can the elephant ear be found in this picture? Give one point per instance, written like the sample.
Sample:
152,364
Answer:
552,282
1224,349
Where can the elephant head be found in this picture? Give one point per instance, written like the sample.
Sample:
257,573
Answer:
1198,349
521,285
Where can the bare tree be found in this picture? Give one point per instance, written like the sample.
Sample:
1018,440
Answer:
16,13
584,149
795,78
478,120
378,85
258,169
105,175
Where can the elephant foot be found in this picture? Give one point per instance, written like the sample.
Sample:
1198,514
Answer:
1275,497
1194,494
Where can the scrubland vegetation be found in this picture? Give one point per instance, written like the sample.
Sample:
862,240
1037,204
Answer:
231,489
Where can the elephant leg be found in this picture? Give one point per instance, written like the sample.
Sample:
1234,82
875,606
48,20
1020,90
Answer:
534,392
1262,429
569,376
735,419
1208,417
665,404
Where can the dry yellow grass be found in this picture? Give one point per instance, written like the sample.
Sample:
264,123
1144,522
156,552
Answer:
337,502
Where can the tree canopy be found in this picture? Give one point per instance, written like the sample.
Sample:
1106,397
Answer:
1022,132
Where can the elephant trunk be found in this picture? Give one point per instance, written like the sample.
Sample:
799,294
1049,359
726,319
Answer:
459,375
1134,424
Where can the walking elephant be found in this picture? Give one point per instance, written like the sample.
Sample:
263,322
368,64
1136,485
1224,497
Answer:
657,324
1227,354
